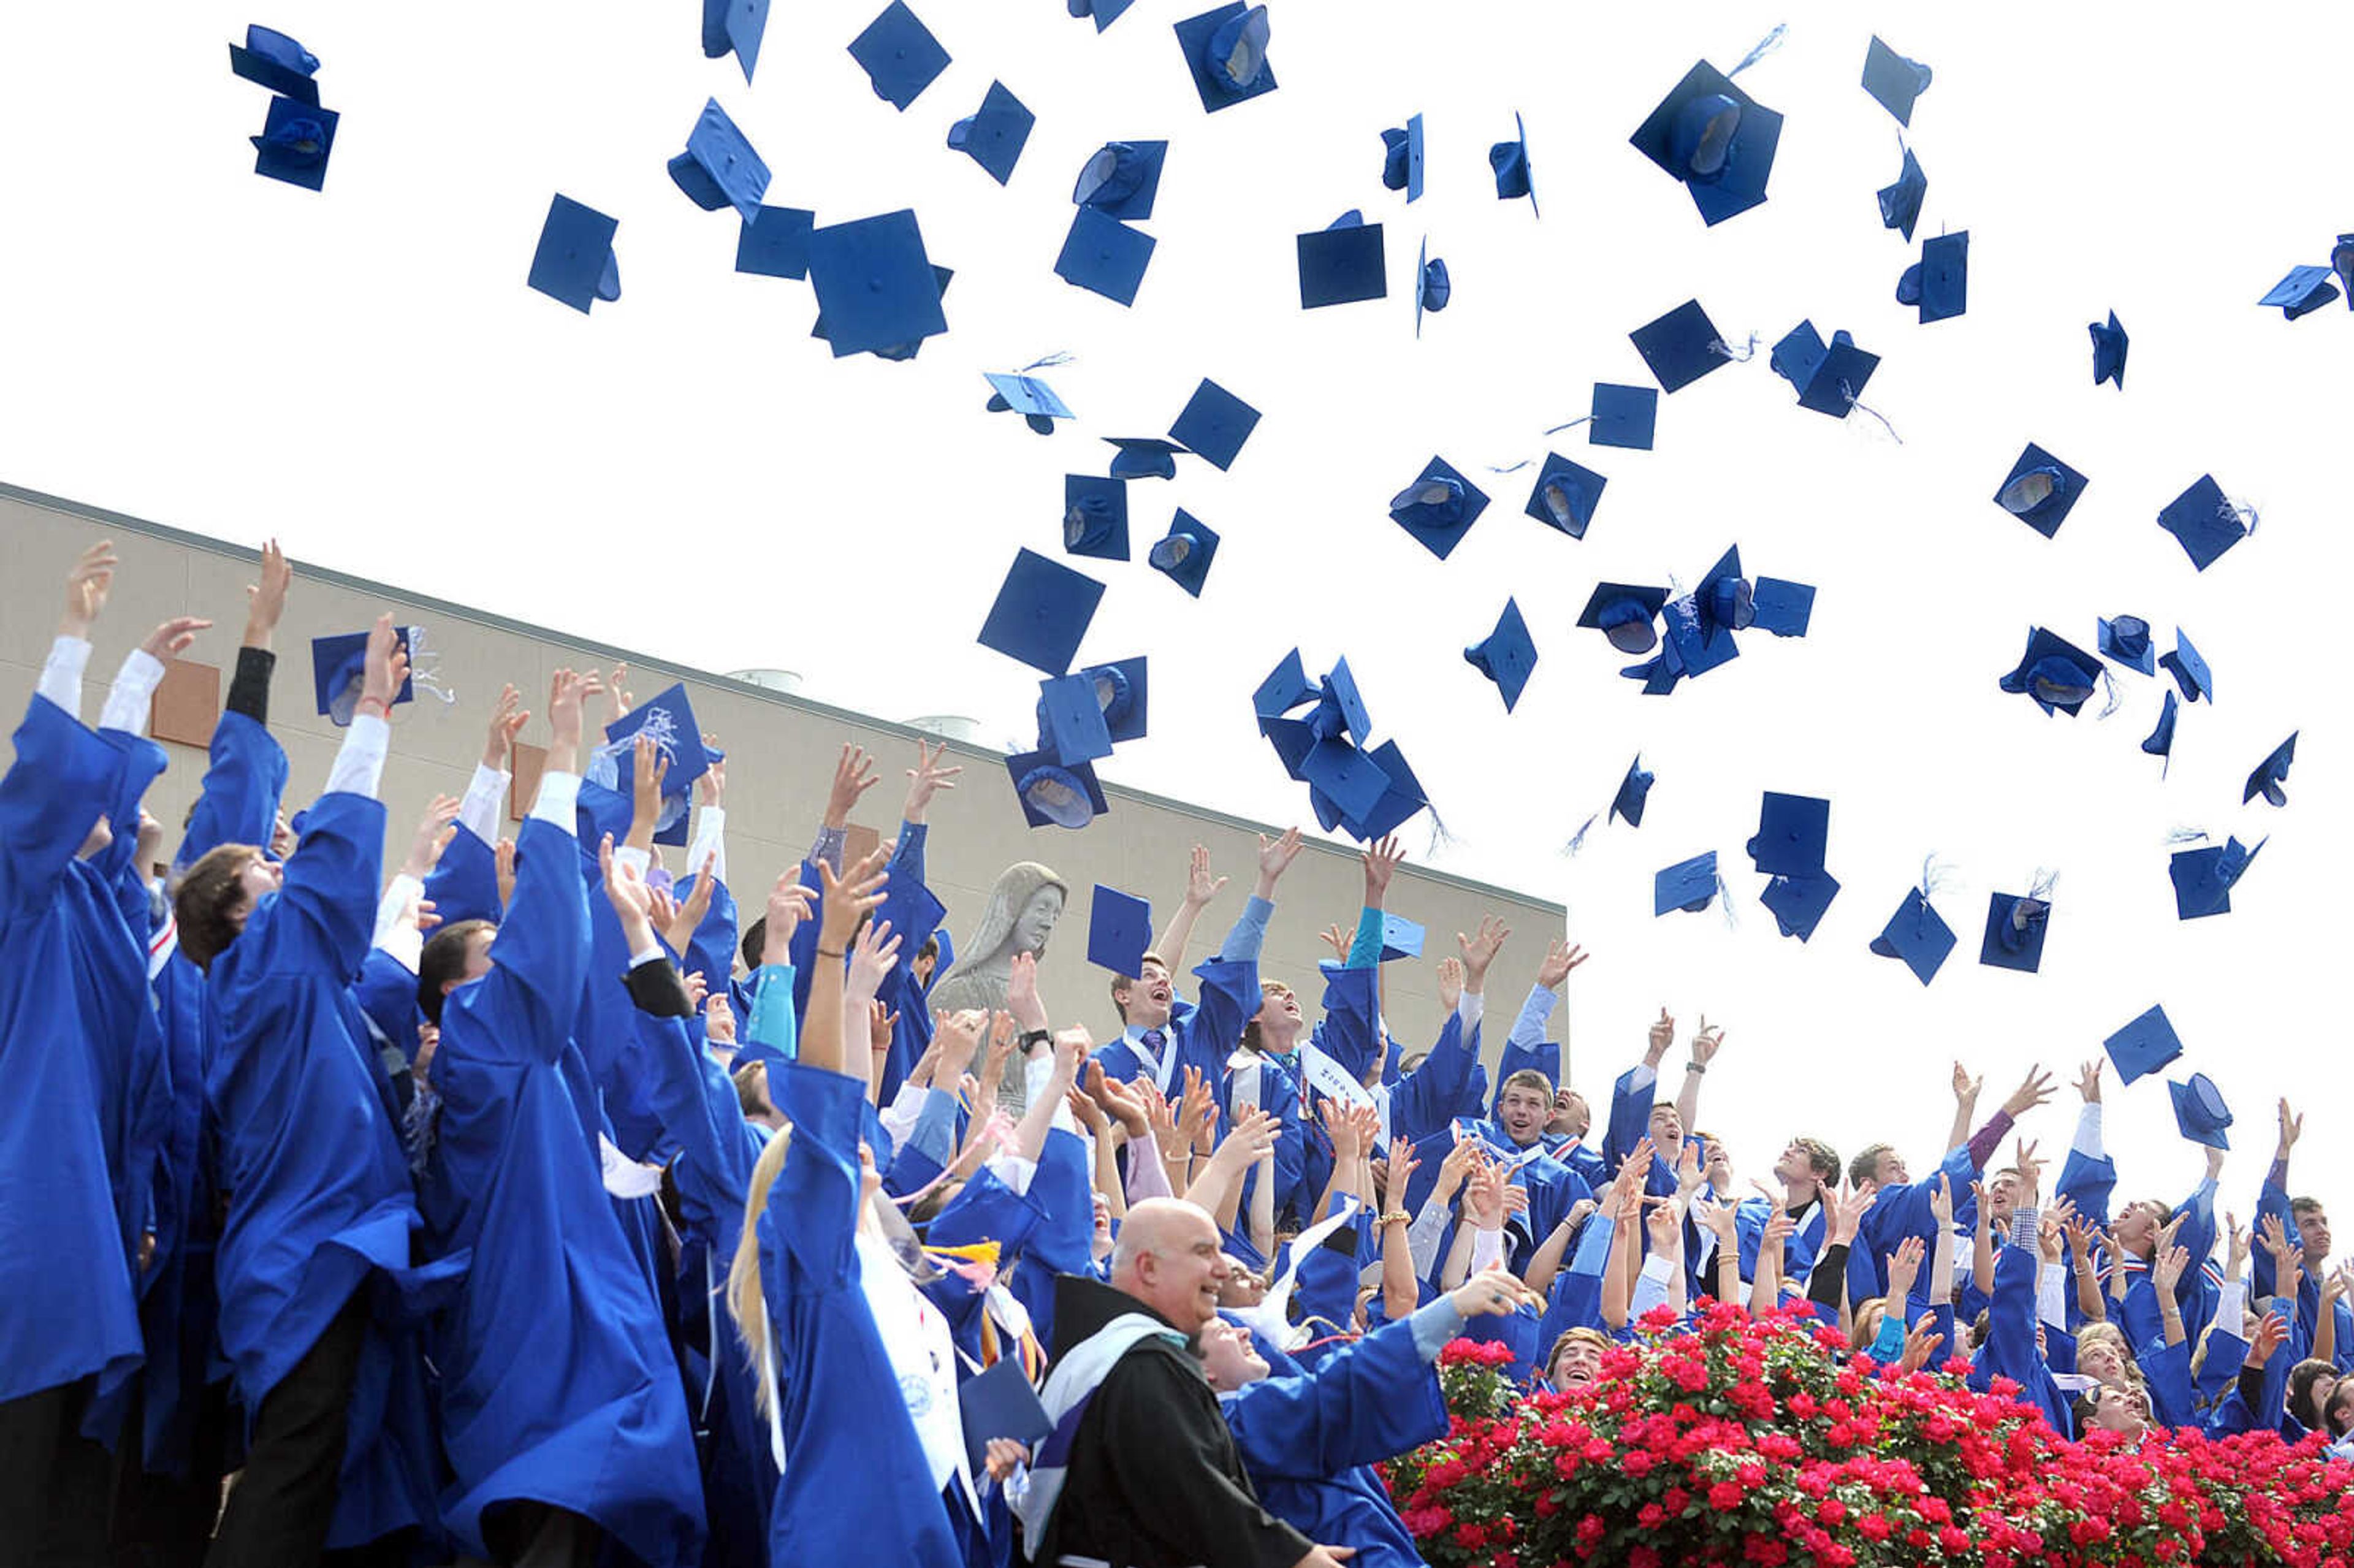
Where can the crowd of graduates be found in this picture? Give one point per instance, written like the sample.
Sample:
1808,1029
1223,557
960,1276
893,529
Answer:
531,1204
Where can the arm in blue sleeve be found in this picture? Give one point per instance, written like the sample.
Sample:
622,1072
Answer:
1630,1115
53,793
1249,934
773,1026
907,857
2274,1201
1366,952
1423,1101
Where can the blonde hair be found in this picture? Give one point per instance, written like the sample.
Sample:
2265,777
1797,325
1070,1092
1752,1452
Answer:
745,1299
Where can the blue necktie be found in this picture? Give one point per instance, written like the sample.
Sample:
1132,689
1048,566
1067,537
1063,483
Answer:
1153,1040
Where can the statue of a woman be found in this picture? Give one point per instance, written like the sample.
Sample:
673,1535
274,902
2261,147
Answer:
1024,905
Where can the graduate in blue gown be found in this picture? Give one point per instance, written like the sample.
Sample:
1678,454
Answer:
864,1419
319,1184
1309,1440
559,1395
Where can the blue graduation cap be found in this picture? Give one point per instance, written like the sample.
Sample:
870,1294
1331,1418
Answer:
1347,778
668,719
2303,292
2341,261
1438,508
897,351
2203,522
2161,739
719,168
2143,1046
1143,457
1829,377
2125,640
1119,929
1121,179
1340,708
1286,687
1566,495
1054,796
1400,802
1041,612
1939,283
1798,903
294,143
1071,728
1900,204
899,54
339,672
1402,159
1028,396
1105,256
2109,345
1095,516
1432,287
877,289
1506,655
1681,347
1633,791
1401,939
1623,613
1918,935
2203,877
735,27
1714,139
1292,740
775,243
2189,669
2271,774
1105,12
575,261
1892,81
1510,160
1183,554
2015,929
2040,490
1689,885
277,62
2056,673
1215,425
1622,416
1226,51
1119,690
994,134
1342,264
1782,608
1792,831
2199,1113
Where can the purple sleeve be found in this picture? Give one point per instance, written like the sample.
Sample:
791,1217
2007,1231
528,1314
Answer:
1989,1138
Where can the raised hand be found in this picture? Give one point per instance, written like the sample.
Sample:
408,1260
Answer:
171,638
1340,939
565,693
626,891
387,668
1719,1218
265,601
1457,1168
689,915
2035,1089
648,768
711,789
1197,1109
789,906
844,899
1381,859
1966,1087
2166,1268
1560,959
2272,1332
507,716
432,836
2088,1082
1450,984
1400,1171
1707,1042
2292,1128
1920,1342
881,1021
1275,858
696,988
2235,1253
854,775
2031,1167
1941,1201
503,865
617,686
872,954
1483,1198
927,779
1664,1222
1200,885
87,586
1493,1292
1903,1267
1661,1035
1022,992
1480,950
1253,1136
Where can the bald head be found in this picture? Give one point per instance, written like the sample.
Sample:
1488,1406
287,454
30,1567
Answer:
1168,1258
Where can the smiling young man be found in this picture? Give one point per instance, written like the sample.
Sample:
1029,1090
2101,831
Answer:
1140,1469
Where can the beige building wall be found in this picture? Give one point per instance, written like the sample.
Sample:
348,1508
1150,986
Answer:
781,750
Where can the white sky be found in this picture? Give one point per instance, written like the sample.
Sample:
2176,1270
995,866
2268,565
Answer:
365,374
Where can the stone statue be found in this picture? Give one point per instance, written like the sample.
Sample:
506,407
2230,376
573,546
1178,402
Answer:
1023,904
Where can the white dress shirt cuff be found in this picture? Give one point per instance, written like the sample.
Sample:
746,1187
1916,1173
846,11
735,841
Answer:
61,675
478,812
359,765
133,691
559,793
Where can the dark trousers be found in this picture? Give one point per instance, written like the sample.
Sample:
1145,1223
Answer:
284,1499
539,1535
53,1481
166,1521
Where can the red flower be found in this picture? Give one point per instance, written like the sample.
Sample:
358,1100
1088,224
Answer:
1724,1496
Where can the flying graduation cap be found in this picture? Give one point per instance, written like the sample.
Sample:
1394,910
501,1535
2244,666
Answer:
1105,256
2143,1046
1829,377
1690,885
1510,160
878,291
575,263
736,27
1900,204
1028,396
1402,151
1104,12
1892,81
271,59
1506,655
1634,791
2160,743
1143,457
296,137
667,718
1342,263
2189,668
2271,774
1566,495
2109,345
1939,283
2203,877
1121,179
1438,508
1917,935
1119,929
1185,553
1622,416
1793,831
2015,928
339,672
1432,288
1054,796
2199,1113
900,56
1681,347
1623,613
1095,516
2040,490
994,134
719,168
2056,673
1798,903
775,243
2125,640
1041,612
1715,139
1225,49
2204,522
1213,425
2305,290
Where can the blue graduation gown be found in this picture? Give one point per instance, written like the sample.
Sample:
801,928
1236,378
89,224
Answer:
1903,1211
2009,1350
558,1380
856,1482
1309,1441
464,882
1204,1034
67,1307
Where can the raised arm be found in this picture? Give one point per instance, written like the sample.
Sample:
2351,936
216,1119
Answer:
1966,1106
1400,1293
1178,935
854,775
1704,1048
1218,1188
845,898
